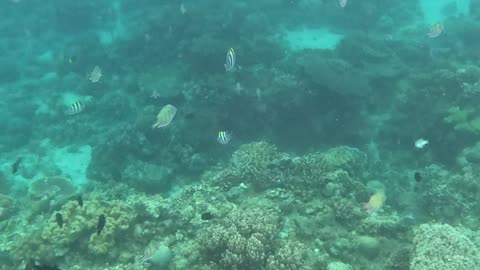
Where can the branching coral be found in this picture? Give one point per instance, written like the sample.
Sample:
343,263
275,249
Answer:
443,247
464,119
249,240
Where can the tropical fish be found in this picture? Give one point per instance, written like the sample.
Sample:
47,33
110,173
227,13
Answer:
436,30
101,223
417,176
224,137
16,164
342,3
80,200
75,108
165,116
95,75
420,143
375,202
230,61
59,219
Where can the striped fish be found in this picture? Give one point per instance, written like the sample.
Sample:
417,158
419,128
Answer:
230,62
75,108
224,137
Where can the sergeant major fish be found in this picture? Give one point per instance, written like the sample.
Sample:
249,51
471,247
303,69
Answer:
224,137
75,108
230,61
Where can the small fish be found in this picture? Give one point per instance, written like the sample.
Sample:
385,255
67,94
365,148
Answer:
75,108
15,165
101,223
230,61
224,137
165,116
59,219
342,3
375,202
238,88
155,94
72,59
207,216
436,30
420,143
95,75
417,176
80,200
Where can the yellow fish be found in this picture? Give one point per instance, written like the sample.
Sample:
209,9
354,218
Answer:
436,30
375,202
165,116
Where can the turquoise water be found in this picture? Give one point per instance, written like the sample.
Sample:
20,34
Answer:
242,135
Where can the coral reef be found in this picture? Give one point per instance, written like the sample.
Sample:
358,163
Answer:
262,166
442,247
463,119
331,73
79,230
6,206
249,239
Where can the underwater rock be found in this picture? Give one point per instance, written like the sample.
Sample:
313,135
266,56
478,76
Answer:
339,266
147,177
161,257
368,246
56,189
335,74
6,206
5,184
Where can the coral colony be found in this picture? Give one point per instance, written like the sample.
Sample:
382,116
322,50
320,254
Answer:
240,135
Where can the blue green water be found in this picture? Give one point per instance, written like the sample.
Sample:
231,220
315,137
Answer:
242,135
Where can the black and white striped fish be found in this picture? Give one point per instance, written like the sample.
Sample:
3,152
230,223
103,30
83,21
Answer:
230,62
75,108
224,137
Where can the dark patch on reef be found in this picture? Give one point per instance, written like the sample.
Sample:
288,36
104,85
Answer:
34,265
207,216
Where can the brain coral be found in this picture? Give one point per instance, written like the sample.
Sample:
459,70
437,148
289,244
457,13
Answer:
443,247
